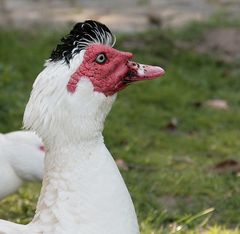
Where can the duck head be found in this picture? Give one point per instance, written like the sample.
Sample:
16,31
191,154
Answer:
75,91
110,70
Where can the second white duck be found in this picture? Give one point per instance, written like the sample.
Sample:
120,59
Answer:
21,159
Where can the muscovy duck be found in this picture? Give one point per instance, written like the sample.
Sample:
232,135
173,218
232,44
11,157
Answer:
21,159
83,191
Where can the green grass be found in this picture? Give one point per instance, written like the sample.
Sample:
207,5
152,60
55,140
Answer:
171,182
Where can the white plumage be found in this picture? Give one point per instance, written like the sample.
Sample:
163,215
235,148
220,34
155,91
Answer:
21,159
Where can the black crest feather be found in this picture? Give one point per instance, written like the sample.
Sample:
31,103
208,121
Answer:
79,38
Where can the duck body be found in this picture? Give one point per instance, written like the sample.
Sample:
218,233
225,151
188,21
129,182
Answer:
21,159
83,191
91,187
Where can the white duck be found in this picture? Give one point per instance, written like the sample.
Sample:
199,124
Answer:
83,191
21,159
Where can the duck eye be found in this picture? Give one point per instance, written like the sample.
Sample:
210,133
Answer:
101,58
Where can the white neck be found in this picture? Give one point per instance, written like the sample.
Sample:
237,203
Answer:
83,192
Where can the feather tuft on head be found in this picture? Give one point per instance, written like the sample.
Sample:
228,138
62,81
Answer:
82,35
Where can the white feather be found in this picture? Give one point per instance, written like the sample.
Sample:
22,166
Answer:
83,191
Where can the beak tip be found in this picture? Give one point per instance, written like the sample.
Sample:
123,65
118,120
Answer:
157,71
162,71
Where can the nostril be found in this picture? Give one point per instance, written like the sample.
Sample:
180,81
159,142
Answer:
132,65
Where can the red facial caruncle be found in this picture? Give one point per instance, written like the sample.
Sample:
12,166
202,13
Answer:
110,70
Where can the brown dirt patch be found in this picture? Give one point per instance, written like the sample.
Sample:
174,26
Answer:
223,42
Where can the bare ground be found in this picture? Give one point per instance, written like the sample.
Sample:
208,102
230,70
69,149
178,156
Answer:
120,15
223,42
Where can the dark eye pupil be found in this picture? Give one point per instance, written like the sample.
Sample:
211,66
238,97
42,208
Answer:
101,58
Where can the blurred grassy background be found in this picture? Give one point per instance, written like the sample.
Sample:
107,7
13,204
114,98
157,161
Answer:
170,139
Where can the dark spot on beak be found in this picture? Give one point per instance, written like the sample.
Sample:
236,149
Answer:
130,74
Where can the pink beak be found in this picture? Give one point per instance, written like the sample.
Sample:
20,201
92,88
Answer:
139,72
